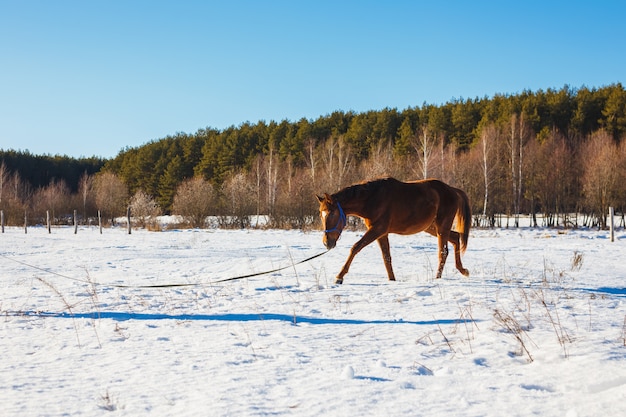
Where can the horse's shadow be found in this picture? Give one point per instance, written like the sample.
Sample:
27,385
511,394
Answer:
617,292
231,317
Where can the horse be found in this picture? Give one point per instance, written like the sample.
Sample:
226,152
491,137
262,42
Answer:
387,205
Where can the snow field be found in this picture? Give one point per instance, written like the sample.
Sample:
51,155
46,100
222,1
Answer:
538,328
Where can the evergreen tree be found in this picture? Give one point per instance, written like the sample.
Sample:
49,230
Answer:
171,178
402,146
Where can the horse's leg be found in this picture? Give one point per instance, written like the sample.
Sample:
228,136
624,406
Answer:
443,252
383,242
433,229
454,239
369,236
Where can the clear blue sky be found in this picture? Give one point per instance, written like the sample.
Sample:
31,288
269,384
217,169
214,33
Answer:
84,78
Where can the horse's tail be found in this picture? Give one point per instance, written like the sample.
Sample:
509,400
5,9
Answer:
463,218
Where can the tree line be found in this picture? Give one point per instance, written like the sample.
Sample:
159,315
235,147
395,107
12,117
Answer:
553,152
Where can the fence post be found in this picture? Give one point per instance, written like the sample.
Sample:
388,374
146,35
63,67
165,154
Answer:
612,223
75,223
2,220
25,223
130,227
100,220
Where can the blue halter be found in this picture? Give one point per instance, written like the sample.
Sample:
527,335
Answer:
342,218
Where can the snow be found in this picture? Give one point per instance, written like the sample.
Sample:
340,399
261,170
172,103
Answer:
538,328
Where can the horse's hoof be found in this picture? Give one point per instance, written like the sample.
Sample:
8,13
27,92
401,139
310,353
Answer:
339,281
392,279
465,272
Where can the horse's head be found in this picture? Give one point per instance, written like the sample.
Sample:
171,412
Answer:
333,220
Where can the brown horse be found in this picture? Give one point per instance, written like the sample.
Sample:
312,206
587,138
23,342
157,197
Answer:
391,206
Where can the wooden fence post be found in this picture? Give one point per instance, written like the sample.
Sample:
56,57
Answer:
2,220
130,226
612,223
48,221
25,222
75,223
100,220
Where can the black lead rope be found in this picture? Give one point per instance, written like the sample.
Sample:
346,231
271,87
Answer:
166,285
221,280
272,271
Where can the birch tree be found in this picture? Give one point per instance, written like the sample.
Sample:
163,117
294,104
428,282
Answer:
4,176
487,144
424,144
516,141
337,159
85,188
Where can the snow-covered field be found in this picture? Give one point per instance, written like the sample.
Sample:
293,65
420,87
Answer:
539,328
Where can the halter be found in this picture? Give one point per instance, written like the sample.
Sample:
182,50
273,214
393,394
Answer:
342,218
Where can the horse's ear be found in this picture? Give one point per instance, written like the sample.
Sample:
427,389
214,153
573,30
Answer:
326,198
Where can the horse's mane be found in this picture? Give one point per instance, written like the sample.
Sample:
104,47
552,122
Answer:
362,189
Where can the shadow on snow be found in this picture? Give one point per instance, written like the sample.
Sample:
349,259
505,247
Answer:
121,316
618,292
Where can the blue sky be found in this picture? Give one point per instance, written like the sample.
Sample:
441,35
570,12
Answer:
84,78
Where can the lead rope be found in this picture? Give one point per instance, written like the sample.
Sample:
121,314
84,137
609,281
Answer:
166,285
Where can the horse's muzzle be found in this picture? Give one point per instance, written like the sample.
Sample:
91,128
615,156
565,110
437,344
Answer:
329,242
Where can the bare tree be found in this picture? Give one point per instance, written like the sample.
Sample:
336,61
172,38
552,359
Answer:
337,159
549,177
195,201
258,173
295,207
11,193
289,172
238,194
54,198
469,177
144,209
488,139
311,159
272,179
448,163
4,178
381,163
424,144
111,194
16,196
344,161
602,176
561,170
512,140
532,177
85,189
